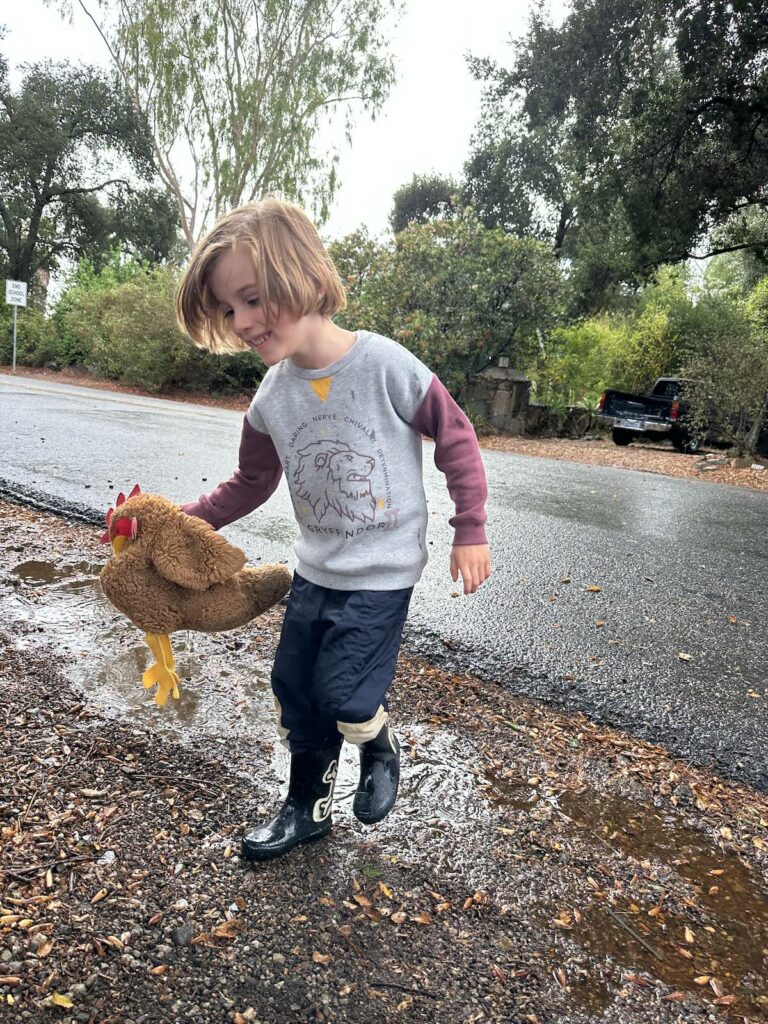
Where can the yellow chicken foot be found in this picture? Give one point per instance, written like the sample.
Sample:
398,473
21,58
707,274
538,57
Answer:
162,673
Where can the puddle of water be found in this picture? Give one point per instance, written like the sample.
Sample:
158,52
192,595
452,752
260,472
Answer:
730,939
42,574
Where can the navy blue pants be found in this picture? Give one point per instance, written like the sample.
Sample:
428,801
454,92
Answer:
334,663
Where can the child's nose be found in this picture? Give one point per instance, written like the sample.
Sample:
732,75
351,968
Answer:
242,320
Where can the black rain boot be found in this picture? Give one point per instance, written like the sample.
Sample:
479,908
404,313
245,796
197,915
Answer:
306,813
379,777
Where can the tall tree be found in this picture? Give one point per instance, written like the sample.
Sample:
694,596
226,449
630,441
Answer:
455,293
629,131
424,197
237,91
62,136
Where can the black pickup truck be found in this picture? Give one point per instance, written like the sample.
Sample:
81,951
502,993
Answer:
660,415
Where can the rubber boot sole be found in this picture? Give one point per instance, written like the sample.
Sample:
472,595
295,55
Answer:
254,855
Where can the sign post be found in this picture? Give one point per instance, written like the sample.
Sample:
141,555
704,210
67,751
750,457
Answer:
15,295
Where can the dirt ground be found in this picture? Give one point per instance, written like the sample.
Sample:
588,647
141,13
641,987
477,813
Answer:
538,868
645,456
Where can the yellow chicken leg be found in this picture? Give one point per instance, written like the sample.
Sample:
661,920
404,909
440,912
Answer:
163,672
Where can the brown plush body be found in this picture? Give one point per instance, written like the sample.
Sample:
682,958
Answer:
178,573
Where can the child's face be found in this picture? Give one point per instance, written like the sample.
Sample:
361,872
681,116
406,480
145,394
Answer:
233,283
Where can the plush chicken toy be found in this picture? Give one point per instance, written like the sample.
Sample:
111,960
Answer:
172,571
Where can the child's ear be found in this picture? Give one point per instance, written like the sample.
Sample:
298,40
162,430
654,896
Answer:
192,554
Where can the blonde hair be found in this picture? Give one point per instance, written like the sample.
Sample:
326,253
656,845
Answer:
294,272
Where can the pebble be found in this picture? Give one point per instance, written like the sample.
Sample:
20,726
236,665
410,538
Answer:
183,935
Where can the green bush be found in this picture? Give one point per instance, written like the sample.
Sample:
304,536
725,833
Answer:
121,323
35,344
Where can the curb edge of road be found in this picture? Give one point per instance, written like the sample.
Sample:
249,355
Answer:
43,502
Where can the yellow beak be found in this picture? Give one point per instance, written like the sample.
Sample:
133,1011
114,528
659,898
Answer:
118,543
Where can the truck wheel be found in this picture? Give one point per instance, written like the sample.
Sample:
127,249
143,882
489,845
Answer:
687,443
692,445
622,437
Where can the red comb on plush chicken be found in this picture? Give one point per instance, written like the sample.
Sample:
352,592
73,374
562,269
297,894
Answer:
172,571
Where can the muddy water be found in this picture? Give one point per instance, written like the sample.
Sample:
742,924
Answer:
727,950
724,951
446,816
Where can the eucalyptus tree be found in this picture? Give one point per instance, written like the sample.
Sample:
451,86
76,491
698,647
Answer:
236,92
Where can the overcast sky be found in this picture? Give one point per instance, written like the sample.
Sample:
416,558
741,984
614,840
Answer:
425,125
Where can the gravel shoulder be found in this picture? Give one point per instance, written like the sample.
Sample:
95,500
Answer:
644,456
538,868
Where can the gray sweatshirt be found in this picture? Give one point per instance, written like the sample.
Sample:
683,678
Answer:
348,438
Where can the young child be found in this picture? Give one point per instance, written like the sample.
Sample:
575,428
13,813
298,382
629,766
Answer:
342,415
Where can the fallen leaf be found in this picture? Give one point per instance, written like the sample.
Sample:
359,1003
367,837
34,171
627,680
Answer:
685,657
637,980
594,590
758,842
673,997
563,919
703,979
59,1000
690,938
386,890
716,985
227,929
321,958
398,917
422,918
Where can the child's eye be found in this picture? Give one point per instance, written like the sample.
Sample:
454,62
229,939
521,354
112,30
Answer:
226,313
253,302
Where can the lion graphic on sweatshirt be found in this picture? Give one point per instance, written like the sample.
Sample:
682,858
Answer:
330,474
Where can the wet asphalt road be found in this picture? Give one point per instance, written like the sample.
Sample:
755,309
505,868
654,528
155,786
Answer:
681,565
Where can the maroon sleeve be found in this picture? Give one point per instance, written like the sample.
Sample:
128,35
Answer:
457,455
256,477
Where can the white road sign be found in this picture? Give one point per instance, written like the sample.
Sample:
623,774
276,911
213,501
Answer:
15,293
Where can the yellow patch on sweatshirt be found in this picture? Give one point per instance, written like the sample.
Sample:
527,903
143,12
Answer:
321,387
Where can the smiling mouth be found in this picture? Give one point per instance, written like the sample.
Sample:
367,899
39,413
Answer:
258,342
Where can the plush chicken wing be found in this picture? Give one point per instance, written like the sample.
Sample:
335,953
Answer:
171,571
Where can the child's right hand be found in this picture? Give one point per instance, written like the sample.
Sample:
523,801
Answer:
473,562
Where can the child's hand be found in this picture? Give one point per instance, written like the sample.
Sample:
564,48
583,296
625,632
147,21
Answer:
473,561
